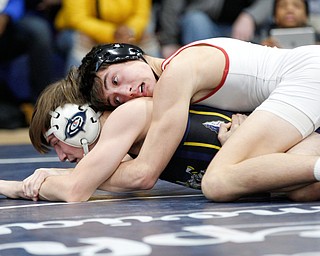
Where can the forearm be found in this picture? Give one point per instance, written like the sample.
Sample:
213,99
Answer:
12,189
77,186
55,188
124,179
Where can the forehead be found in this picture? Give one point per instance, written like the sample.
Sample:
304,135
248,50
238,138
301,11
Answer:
109,67
282,2
122,68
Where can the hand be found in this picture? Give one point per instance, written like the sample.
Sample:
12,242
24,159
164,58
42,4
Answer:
124,34
270,41
227,129
244,27
32,184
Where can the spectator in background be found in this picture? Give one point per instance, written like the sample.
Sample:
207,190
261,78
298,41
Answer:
84,23
314,16
11,116
185,21
288,14
23,34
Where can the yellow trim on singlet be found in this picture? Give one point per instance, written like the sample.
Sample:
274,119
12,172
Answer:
198,144
210,114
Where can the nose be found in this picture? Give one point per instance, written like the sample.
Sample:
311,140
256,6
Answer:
126,90
62,156
290,7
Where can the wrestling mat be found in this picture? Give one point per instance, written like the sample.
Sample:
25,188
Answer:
167,220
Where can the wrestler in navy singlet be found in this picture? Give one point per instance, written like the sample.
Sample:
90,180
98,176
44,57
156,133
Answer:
199,145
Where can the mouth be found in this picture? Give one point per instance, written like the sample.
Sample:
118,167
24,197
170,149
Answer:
142,88
290,17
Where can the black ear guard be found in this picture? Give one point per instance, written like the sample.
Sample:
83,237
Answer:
115,53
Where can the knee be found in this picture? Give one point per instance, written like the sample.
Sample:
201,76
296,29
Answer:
216,186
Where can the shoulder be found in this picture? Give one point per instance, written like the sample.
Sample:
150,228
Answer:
137,112
137,105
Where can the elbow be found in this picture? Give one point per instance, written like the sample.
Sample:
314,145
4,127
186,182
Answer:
75,199
147,184
144,180
76,194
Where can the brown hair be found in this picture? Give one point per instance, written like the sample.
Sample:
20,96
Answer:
55,95
88,81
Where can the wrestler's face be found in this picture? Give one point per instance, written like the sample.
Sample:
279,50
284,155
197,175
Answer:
64,151
125,81
291,13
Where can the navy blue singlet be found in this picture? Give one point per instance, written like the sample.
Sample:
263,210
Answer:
199,145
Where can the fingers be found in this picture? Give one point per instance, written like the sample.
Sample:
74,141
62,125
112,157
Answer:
32,184
223,133
29,188
224,127
227,129
237,120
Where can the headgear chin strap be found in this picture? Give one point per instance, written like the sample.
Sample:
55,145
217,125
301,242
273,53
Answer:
75,125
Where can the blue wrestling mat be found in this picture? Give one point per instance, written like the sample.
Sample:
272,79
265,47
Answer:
167,220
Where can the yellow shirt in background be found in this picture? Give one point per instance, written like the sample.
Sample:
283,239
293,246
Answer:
82,15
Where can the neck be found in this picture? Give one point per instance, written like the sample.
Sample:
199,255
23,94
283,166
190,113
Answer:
155,64
104,117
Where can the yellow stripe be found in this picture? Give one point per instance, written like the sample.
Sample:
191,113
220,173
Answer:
210,114
198,144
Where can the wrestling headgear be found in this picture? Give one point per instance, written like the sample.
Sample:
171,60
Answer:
109,54
115,53
75,125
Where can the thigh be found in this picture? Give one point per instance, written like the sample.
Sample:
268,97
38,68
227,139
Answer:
308,146
261,133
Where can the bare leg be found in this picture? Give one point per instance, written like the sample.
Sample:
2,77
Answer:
252,160
306,194
309,146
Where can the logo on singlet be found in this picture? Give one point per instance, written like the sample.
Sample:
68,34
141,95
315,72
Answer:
213,125
195,178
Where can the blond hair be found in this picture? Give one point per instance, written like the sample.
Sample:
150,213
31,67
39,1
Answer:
55,95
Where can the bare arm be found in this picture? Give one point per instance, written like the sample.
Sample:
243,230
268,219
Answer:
12,189
120,131
122,179
25,189
182,79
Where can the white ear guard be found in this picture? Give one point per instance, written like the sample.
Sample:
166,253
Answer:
75,125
